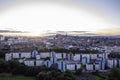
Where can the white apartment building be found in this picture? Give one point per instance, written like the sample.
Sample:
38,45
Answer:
44,54
39,62
8,56
64,55
78,65
110,63
15,55
70,66
37,57
89,67
29,62
26,55
93,56
97,66
58,55
76,57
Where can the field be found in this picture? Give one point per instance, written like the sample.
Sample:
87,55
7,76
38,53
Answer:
17,78
100,76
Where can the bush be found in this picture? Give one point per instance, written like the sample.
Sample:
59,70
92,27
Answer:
114,74
55,75
79,71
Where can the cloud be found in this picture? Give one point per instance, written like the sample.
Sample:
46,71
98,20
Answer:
90,34
11,31
73,31
78,33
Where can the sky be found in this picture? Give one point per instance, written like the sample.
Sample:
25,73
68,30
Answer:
40,17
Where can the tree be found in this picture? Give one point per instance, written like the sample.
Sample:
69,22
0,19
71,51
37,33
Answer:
54,66
13,63
12,67
3,52
53,74
79,71
68,75
32,71
2,65
22,69
42,76
15,67
60,77
114,74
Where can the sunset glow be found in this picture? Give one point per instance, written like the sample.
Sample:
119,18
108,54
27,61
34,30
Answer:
40,18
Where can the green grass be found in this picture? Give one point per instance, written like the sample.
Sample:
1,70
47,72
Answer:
98,78
17,78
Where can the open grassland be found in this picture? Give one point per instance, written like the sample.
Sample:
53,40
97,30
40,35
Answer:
17,78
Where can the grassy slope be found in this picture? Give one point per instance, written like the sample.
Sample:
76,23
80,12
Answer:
98,78
17,78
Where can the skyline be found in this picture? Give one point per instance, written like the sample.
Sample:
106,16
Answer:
37,18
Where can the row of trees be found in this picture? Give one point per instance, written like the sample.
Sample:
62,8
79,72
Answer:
12,66
4,50
56,75
114,74
44,73
41,73
62,50
114,55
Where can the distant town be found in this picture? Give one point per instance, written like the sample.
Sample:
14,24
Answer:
64,52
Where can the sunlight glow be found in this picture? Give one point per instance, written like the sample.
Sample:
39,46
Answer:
39,18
